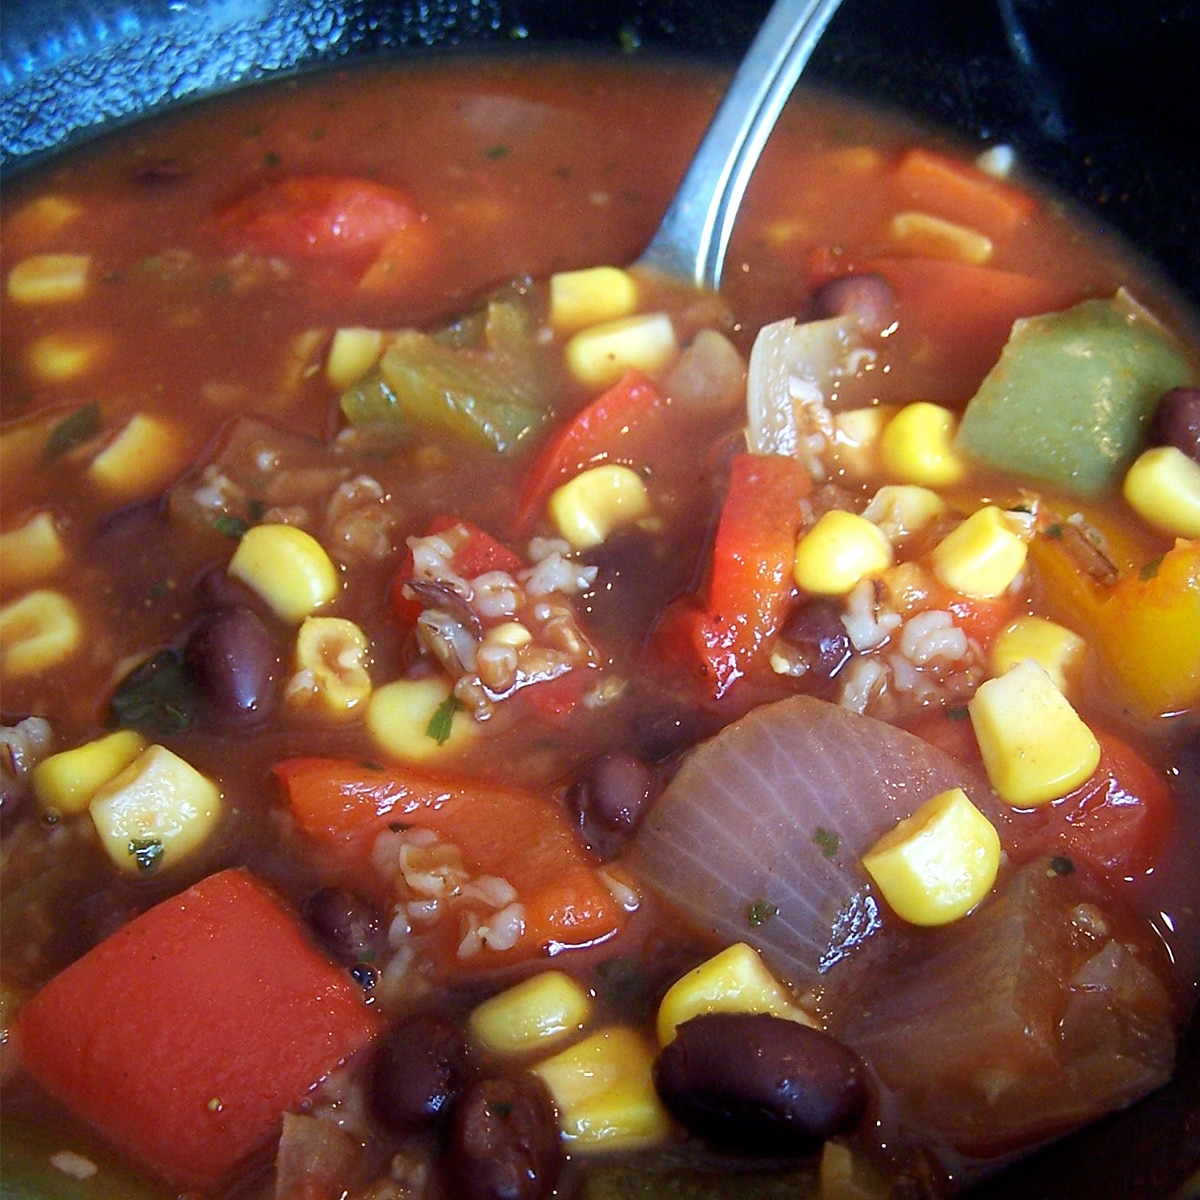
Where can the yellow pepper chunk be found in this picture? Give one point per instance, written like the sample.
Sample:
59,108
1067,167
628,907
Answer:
1035,746
936,865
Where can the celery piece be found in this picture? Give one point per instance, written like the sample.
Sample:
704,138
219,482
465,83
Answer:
370,402
1071,394
630,1183
459,392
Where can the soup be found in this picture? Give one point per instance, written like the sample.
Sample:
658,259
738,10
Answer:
483,721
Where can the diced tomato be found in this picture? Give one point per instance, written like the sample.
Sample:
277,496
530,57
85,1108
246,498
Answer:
979,618
723,634
477,553
593,435
519,836
184,1036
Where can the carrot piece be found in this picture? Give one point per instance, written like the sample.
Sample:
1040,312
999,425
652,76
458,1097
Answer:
962,193
519,836
593,435
185,1035
723,634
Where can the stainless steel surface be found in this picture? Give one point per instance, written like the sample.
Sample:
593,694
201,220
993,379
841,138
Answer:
691,241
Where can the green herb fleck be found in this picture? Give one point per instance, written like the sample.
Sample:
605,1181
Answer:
500,1108
271,159
959,712
147,853
629,38
1149,571
1060,865
622,984
439,724
231,526
497,152
1055,531
315,135
156,697
256,508
80,427
827,842
760,911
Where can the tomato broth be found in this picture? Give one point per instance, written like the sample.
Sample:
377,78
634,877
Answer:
439,675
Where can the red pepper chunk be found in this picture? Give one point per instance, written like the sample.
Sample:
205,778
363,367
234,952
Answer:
724,633
185,1035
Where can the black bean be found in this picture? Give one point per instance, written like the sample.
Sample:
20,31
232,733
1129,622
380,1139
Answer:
418,1072
216,588
817,633
868,298
1177,421
753,1083
348,926
609,799
504,1142
232,661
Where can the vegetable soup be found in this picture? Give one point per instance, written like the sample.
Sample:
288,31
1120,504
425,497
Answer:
481,720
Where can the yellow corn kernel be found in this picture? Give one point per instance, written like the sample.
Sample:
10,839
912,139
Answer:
535,1013
39,631
600,355
58,357
856,437
352,353
982,556
330,668
414,720
735,980
41,219
579,299
67,781
141,460
158,810
603,1087
841,549
49,278
589,507
1056,649
31,552
936,865
847,1175
1035,746
916,446
932,237
901,510
288,568
1163,488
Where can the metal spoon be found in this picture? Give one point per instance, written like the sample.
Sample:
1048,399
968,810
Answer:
691,241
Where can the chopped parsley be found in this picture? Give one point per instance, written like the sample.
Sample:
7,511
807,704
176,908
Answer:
156,697
827,842
231,526
760,911
74,430
496,152
147,853
1055,531
1061,865
1149,571
441,721
959,712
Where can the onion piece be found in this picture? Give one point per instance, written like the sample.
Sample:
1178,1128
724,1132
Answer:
772,815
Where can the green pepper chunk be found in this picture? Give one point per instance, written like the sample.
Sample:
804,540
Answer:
1071,394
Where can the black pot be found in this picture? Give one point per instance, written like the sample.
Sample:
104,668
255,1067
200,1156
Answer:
1099,97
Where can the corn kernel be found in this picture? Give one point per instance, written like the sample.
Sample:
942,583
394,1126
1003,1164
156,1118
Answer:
535,1013
932,237
1035,746
67,781
41,219
414,720
288,568
735,980
916,446
1056,649
593,504
982,557
841,549
936,865
141,460
352,353
848,1175
600,355
901,510
1163,488
604,1090
31,552
158,810
857,433
49,278
37,632
58,357
330,668
579,299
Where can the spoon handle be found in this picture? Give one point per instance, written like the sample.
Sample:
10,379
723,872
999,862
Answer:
691,241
